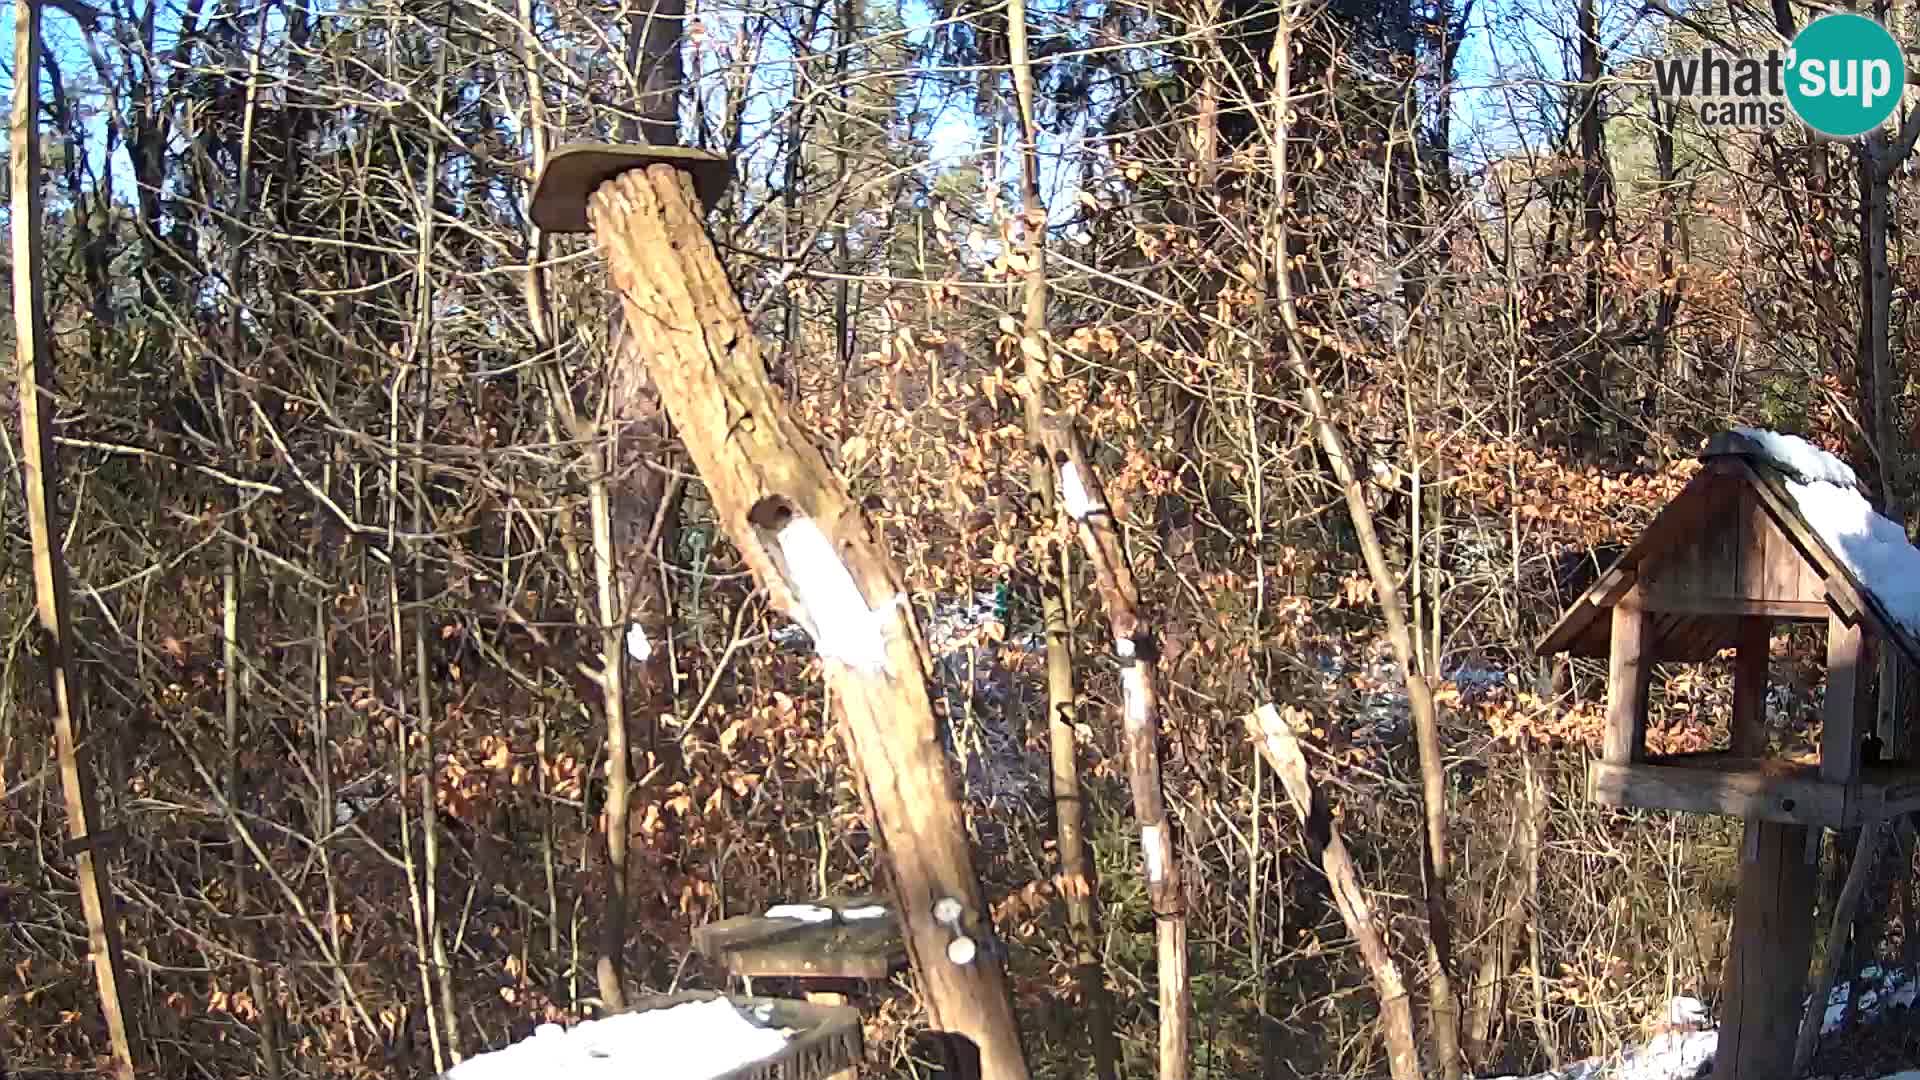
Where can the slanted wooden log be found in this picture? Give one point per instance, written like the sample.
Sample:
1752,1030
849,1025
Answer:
1276,742
1134,648
818,558
1840,925
66,691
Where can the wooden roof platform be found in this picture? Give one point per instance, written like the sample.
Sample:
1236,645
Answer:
1733,543
1765,789
754,946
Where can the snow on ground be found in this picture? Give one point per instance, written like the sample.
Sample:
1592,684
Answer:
1670,1055
1891,989
1684,1049
693,1041
1827,492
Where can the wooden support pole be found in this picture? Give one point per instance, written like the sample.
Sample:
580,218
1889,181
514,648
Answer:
816,554
1749,727
1766,971
1629,671
33,359
1845,720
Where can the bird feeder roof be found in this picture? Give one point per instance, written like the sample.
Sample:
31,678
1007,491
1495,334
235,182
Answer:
1769,527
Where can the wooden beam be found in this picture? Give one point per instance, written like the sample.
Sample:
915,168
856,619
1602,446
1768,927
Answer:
1611,587
1766,972
809,544
1668,602
1629,670
1843,712
1752,794
1750,687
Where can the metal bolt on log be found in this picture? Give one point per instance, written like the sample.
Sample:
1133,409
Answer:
807,543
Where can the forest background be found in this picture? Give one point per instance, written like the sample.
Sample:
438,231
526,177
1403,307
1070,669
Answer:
1435,296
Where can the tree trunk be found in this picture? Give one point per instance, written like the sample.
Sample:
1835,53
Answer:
654,31
1435,867
1595,197
1136,648
33,371
1078,882
811,547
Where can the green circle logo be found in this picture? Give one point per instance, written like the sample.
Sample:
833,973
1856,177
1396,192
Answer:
1845,75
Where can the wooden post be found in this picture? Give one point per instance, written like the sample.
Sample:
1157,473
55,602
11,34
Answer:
810,546
1766,971
1842,712
1749,727
1629,670
1133,647
33,358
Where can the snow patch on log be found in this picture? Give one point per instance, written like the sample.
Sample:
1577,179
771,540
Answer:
844,628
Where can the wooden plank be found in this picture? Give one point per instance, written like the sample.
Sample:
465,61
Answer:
1611,587
1893,800
1751,523
1836,579
1788,799
1843,712
1705,636
1799,610
1766,972
1720,550
868,949
1629,669
1750,663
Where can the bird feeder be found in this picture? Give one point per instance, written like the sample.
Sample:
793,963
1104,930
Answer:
831,950
1768,532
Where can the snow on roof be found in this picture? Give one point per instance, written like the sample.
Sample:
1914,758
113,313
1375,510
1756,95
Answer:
696,1040
1875,549
1796,456
1828,496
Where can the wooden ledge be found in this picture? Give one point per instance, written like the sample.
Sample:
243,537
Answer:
573,172
1754,788
754,946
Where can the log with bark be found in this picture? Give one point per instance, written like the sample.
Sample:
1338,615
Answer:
813,550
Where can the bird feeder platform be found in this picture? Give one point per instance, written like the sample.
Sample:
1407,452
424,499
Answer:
1757,788
828,1041
755,946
